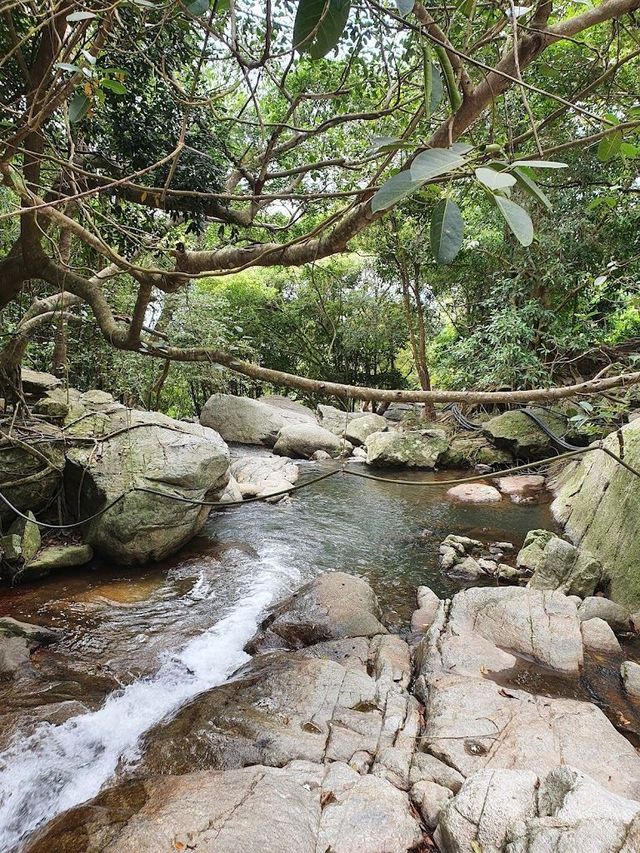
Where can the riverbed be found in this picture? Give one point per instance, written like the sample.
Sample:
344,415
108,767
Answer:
139,644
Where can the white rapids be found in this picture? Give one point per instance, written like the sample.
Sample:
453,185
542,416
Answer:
59,766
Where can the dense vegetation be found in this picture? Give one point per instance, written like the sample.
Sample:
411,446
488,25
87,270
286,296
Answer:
373,194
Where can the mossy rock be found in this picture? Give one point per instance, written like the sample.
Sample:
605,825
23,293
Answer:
466,451
517,433
599,502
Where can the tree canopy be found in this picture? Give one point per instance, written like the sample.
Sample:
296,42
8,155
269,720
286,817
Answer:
474,162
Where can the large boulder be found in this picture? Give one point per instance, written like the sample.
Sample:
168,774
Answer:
302,440
415,448
35,383
337,420
598,502
333,606
517,433
465,451
247,421
263,474
359,429
132,450
31,467
557,564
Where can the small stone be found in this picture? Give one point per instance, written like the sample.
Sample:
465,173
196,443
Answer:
428,768
630,672
14,655
597,636
430,798
321,456
29,533
521,488
477,493
468,568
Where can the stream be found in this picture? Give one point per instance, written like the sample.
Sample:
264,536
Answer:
139,644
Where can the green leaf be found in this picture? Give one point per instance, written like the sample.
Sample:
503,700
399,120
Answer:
319,25
80,16
495,180
198,7
529,185
629,150
466,7
433,162
78,107
609,146
516,218
398,186
404,7
113,86
67,66
447,228
540,164
437,87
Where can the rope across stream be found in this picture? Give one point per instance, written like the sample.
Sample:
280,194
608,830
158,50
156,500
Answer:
341,469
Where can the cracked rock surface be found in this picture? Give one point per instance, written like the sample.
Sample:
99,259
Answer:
338,737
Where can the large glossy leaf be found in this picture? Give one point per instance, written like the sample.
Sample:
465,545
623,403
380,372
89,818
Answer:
398,186
319,25
447,229
78,107
436,161
404,7
529,185
540,164
609,146
517,219
495,180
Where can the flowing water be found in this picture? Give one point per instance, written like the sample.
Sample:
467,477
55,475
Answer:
138,644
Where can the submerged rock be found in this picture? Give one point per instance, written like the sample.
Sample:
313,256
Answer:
247,421
415,448
474,493
144,450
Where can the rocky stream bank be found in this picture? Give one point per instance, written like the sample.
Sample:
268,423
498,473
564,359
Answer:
339,736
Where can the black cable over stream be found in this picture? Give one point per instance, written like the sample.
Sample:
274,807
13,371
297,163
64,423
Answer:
571,454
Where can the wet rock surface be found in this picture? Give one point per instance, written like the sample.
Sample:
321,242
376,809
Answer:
413,448
338,736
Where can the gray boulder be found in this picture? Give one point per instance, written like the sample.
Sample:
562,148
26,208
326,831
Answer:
31,474
615,615
144,450
415,449
517,433
14,656
304,439
261,474
334,606
598,501
36,383
630,672
598,637
557,564
54,557
359,429
337,420
247,421
474,493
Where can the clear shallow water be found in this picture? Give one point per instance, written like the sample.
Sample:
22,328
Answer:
139,644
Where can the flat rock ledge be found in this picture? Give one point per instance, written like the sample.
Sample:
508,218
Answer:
338,737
